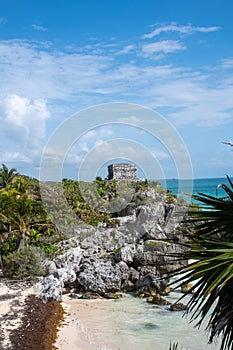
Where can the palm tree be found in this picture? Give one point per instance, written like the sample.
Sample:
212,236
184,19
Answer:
19,213
211,248
6,175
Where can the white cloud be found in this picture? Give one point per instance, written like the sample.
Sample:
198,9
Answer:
158,154
181,29
30,116
202,116
127,49
227,63
36,72
30,69
39,28
164,46
23,125
8,157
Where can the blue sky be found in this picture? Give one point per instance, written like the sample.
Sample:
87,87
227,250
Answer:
171,57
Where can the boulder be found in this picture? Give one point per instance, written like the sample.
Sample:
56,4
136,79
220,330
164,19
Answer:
178,307
187,288
100,277
158,300
72,257
126,254
51,289
149,279
66,276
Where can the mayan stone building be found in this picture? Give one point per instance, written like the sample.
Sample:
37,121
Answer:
122,171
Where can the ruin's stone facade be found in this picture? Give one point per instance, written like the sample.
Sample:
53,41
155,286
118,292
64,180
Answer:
122,171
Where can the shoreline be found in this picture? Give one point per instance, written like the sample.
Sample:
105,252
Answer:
27,323
71,333
87,324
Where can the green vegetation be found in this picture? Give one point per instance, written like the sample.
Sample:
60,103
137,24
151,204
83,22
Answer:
6,175
24,263
211,249
24,224
94,202
83,198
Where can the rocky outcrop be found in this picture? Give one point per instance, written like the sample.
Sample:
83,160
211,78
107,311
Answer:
134,256
178,307
158,300
51,289
99,277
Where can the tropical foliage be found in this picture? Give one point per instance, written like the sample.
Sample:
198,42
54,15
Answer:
6,175
98,202
23,221
24,263
210,250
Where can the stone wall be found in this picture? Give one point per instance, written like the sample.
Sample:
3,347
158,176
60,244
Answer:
122,171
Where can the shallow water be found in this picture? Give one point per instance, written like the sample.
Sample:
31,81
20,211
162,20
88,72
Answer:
133,324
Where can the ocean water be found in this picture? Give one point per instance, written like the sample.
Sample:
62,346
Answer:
132,323
206,186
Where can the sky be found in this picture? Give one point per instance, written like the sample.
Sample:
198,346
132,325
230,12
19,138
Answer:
140,64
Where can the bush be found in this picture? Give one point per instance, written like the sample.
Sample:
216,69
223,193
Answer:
26,263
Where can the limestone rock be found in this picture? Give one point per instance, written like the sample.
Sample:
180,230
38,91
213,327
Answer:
100,277
126,254
71,256
157,299
113,295
66,276
186,288
51,289
178,307
150,279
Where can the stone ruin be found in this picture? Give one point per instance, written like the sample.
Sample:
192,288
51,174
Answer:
122,171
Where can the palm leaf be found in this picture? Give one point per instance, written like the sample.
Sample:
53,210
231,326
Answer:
211,246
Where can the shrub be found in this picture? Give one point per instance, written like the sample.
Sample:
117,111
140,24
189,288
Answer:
26,263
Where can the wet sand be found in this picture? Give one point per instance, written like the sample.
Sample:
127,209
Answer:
71,333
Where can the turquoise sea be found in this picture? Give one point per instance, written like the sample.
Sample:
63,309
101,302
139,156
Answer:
207,186
133,324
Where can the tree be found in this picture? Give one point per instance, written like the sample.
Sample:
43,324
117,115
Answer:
6,175
20,212
211,249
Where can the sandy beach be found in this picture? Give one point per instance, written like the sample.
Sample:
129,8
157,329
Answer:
26,322
18,302
89,324
72,334
12,300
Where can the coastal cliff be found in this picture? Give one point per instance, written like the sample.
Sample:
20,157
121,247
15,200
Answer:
132,256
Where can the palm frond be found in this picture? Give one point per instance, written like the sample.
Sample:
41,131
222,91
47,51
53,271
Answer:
211,272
